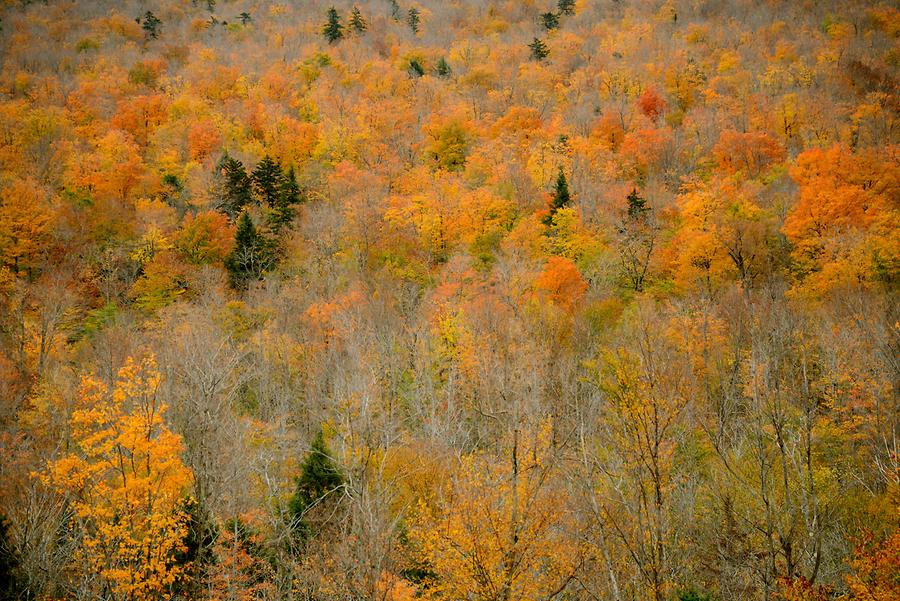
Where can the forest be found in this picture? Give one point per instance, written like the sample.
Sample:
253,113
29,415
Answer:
450,300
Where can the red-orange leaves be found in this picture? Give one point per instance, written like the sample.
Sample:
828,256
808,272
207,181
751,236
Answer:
562,281
751,152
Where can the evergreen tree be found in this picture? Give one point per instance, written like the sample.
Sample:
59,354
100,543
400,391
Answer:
245,18
415,68
319,479
443,68
9,564
267,176
412,19
196,553
235,190
251,256
637,205
566,7
561,197
333,30
288,197
539,50
550,21
395,10
150,25
357,23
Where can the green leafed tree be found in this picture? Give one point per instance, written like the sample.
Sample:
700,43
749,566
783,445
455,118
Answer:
251,256
566,7
539,50
413,19
415,68
357,22
333,30
443,68
235,187
150,25
266,177
561,197
550,21
320,480
283,211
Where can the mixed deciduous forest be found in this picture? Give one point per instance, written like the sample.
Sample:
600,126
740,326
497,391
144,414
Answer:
500,300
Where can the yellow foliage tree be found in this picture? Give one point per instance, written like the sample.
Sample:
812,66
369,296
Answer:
501,529
125,478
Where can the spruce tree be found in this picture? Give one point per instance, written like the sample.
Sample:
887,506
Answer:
566,7
235,189
415,68
151,25
266,178
245,18
395,10
443,68
251,256
412,19
357,23
288,197
561,197
10,584
319,479
333,30
637,205
550,21
539,50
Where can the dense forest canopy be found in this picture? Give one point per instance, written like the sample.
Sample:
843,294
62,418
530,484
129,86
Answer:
507,300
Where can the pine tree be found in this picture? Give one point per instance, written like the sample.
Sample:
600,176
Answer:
561,197
566,7
443,68
288,197
251,256
9,565
245,18
637,205
235,191
357,23
415,68
412,19
267,176
319,479
550,21
333,30
196,553
539,50
395,10
151,25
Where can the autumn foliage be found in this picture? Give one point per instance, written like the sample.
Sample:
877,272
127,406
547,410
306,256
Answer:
449,299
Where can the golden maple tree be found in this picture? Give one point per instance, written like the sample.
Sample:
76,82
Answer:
125,478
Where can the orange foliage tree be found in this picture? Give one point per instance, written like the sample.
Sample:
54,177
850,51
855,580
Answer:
125,479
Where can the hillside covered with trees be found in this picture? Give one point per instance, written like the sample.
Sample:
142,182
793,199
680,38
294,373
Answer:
496,300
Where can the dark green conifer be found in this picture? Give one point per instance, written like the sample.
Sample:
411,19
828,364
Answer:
550,21
288,198
251,256
150,25
267,176
566,7
443,68
357,23
561,197
236,186
333,30
320,478
412,19
539,50
415,68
